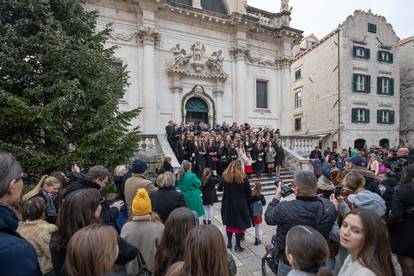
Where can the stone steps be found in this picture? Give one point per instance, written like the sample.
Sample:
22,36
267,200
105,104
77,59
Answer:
268,184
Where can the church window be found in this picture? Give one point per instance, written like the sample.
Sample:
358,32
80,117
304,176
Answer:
261,94
214,5
298,99
184,2
298,124
298,74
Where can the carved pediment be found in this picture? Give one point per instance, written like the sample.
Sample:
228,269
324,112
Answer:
196,65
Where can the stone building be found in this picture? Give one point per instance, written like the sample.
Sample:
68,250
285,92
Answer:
199,60
407,91
346,86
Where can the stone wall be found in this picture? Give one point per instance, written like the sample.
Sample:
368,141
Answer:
407,92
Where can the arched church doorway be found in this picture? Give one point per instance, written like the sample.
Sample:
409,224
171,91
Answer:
384,143
359,144
196,110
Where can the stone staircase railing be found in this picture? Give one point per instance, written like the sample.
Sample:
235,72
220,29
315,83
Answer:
294,161
153,147
300,144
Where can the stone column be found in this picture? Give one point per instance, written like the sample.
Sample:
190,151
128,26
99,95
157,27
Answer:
177,116
150,112
218,95
239,90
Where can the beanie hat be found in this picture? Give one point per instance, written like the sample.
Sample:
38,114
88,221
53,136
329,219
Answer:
141,205
138,166
368,200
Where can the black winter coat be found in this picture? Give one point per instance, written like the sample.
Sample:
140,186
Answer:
166,200
235,205
108,214
318,213
209,190
401,222
17,256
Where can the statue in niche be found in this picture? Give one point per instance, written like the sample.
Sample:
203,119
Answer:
198,49
284,5
215,62
180,55
217,58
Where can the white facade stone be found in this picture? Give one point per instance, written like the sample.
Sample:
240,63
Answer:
253,44
407,91
327,84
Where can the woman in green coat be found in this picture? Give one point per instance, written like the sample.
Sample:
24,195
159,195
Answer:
189,185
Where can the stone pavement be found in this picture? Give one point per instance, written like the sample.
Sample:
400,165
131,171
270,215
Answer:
249,261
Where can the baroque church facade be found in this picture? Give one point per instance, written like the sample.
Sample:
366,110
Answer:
196,60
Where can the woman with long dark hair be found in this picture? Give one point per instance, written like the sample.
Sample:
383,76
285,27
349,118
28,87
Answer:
79,209
306,250
364,234
401,221
235,206
171,247
204,254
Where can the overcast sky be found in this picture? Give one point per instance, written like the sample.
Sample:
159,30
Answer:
322,16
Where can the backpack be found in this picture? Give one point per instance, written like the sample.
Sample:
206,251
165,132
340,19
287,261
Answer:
257,208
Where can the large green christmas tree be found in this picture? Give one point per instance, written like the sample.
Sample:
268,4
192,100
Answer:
58,89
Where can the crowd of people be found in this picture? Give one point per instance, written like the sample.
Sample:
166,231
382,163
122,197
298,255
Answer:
343,220
259,150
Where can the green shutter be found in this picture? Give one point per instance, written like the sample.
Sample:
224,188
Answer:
366,115
379,85
379,116
367,53
354,82
367,83
391,87
354,49
354,115
391,57
391,116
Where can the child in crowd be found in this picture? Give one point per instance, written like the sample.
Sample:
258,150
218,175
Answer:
209,193
306,251
257,202
248,164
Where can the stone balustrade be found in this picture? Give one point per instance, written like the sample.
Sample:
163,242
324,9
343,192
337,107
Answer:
294,161
300,144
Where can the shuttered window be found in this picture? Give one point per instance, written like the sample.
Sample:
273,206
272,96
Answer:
298,74
361,52
298,99
360,115
385,116
261,94
385,86
385,56
361,83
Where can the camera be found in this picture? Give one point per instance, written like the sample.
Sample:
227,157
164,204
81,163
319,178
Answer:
286,189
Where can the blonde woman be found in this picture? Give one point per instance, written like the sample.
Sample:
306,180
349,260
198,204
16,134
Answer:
235,206
48,189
